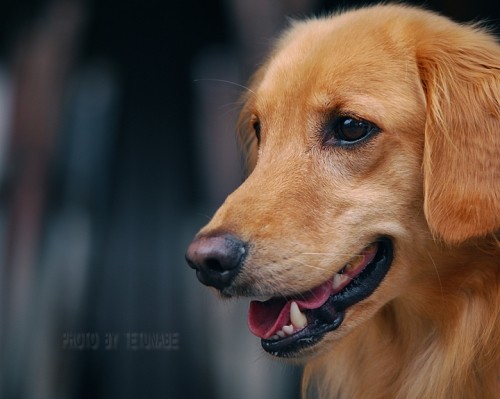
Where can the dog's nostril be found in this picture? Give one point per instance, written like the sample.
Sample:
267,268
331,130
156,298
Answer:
216,259
214,264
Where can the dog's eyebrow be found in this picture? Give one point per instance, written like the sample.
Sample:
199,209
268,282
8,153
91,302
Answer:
359,105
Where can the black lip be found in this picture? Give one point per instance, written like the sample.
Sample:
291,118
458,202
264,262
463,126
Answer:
330,316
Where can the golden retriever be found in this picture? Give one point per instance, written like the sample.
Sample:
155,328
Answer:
368,226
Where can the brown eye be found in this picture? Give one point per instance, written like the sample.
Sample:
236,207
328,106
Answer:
345,131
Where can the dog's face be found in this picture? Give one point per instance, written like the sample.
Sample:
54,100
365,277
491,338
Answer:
330,224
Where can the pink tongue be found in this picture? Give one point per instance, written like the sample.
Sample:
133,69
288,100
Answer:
266,318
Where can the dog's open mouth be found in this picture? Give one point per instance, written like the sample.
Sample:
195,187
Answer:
288,324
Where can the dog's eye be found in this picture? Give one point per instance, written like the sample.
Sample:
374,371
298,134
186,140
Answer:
347,130
256,128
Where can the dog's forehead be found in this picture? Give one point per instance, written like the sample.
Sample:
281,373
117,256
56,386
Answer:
336,56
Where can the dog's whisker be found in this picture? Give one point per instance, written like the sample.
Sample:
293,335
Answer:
205,216
228,111
330,254
231,106
224,81
319,268
307,265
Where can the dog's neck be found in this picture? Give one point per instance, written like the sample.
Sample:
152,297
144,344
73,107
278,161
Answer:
426,344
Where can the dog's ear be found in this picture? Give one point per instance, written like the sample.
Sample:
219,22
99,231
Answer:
460,74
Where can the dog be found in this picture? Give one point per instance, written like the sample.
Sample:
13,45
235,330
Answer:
367,231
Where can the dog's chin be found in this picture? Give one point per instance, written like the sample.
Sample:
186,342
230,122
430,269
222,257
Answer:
294,326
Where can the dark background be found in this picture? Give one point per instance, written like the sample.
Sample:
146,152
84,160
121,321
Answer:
116,144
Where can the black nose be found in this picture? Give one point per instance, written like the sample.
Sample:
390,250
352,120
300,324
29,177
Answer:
216,259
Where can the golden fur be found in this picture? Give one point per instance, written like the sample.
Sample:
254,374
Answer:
430,180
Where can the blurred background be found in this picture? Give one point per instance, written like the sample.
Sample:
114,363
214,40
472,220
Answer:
117,142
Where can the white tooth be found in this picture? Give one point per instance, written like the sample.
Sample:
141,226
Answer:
281,334
338,280
288,330
275,337
297,318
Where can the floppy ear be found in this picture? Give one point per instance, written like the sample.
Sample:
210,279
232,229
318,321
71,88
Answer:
460,73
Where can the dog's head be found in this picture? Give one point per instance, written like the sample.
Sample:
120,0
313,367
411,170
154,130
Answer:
373,135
